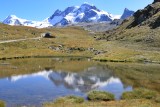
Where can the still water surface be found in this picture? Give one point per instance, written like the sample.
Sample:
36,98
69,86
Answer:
35,81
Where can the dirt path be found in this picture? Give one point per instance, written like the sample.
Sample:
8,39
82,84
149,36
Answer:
18,40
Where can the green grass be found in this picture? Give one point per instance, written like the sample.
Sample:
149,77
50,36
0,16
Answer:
140,93
100,96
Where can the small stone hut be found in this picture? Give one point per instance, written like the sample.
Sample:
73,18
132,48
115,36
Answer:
47,35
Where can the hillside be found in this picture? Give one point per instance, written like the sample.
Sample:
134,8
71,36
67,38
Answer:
69,41
143,22
139,35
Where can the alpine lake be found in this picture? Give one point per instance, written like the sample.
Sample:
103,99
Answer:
33,81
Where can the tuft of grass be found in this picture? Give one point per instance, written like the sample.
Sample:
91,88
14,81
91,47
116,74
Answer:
66,101
70,99
157,99
2,104
100,96
140,93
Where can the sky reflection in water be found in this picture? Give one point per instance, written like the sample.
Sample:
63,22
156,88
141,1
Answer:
47,85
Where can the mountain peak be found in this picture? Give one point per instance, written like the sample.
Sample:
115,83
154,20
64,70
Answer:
127,13
78,14
126,9
12,16
58,11
87,4
12,20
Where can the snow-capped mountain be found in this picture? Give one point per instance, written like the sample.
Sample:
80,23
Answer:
14,20
78,14
127,13
71,15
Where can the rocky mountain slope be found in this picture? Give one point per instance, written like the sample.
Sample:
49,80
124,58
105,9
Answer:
149,16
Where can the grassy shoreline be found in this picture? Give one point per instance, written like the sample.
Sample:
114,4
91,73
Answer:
137,98
121,103
143,98
23,57
69,56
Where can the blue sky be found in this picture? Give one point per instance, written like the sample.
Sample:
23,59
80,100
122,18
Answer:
41,9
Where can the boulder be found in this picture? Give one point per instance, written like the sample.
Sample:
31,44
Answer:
47,35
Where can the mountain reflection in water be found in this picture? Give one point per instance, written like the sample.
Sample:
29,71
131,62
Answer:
48,84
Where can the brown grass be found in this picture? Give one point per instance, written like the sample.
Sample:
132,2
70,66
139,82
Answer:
122,103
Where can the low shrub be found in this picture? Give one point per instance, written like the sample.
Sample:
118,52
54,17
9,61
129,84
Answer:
100,96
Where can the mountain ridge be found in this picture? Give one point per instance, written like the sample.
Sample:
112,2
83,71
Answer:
71,15
15,21
79,14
